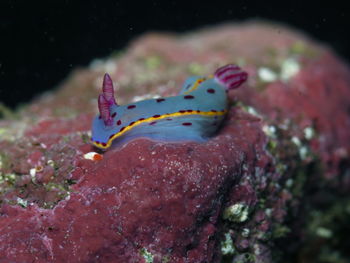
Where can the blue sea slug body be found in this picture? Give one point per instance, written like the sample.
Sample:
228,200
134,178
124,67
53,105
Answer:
193,115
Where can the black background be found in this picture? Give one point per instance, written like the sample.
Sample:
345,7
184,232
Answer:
41,41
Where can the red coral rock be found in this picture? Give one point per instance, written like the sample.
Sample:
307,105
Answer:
147,195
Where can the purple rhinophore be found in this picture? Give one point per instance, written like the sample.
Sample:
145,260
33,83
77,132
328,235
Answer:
108,90
230,76
106,100
104,109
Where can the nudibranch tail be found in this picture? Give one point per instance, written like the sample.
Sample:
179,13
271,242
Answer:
230,76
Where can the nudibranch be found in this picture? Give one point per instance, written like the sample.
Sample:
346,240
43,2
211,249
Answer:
194,115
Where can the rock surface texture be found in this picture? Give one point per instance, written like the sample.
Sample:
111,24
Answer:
272,186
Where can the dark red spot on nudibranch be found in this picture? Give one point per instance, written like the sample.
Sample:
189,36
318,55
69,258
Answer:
156,116
131,106
97,142
189,110
110,137
182,111
114,114
187,123
198,111
119,122
131,123
160,100
141,119
104,144
121,129
152,123
188,97
211,91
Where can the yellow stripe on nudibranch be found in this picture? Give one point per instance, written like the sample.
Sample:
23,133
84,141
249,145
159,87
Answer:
150,119
195,85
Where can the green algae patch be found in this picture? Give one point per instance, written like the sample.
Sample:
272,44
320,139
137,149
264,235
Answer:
236,213
148,256
196,69
227,247
153,62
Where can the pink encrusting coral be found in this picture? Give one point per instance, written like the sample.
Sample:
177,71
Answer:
238,197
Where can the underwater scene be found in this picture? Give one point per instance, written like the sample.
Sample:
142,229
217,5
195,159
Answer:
161,132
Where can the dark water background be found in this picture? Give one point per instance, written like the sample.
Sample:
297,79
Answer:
41,41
